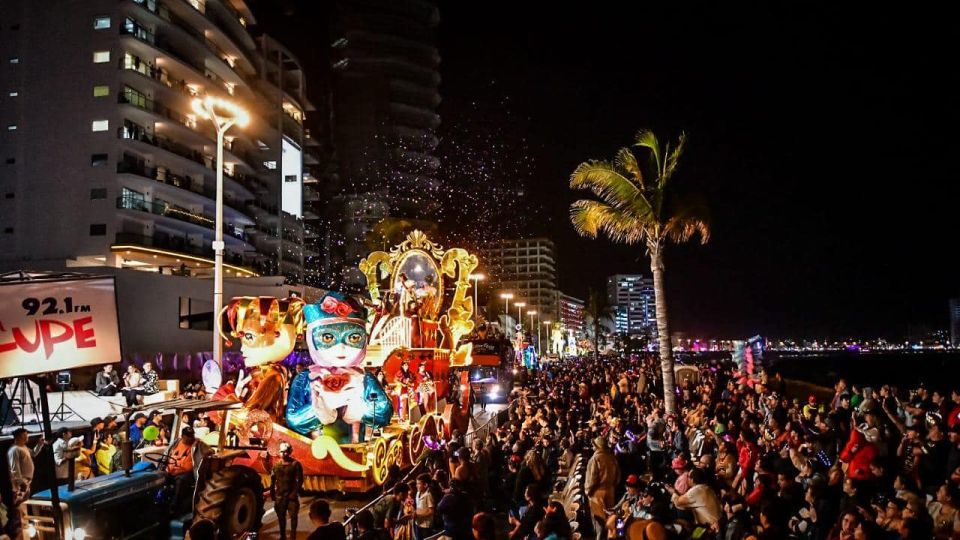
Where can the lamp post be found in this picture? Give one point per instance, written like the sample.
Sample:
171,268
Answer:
519,306
224,114
476,299
531,313
506,312
546,325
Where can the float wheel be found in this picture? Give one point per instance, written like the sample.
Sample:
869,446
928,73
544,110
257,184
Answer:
379,465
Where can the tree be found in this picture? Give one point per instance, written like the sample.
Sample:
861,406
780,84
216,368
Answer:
597,310
637,202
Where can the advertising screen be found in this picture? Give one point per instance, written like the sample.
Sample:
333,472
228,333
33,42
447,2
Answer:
292,170
55,325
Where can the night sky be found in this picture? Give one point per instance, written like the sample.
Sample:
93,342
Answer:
821,135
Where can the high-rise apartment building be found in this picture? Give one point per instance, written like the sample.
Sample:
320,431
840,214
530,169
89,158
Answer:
631,295
104,162
527,268
570,313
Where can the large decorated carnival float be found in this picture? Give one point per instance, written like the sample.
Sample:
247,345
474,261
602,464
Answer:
388,372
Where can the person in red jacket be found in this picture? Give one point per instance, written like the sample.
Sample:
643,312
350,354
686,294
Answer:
857,455
747,454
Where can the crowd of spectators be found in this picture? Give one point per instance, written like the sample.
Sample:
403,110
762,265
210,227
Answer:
741,459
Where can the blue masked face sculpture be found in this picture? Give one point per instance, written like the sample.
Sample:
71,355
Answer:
336,387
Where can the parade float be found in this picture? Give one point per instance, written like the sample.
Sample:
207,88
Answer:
388,372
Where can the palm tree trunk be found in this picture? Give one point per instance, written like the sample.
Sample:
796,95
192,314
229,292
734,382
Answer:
663,331
596,339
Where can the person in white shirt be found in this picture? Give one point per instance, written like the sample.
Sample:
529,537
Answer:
64,451
20,459
423,516
699,499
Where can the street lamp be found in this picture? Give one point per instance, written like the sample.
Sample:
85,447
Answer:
531,313
546,324
506,312
224,114
519,313
476,299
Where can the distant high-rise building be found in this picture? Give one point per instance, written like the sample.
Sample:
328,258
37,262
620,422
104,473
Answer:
527,268
570,312
105,162
631,295
955,322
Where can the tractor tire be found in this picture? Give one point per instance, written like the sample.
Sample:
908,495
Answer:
233,499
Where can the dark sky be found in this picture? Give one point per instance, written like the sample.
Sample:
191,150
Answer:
822,136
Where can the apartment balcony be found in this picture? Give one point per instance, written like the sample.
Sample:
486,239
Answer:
177,214
185,156
180,184
177,251
186,127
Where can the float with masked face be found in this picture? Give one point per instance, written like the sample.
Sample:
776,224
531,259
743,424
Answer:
387,378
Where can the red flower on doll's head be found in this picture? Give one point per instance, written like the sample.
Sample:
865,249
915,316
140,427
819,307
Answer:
336,307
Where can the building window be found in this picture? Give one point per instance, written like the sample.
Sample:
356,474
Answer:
14,60
11,127
98,229
13,93
101,57
98,193
101,90
100,125
101,23
99,160
272,165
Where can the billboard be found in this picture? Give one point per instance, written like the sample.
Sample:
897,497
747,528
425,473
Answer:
291,168
56,325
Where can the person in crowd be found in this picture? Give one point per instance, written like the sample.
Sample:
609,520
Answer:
286,480
603,474
132,385
65,452
184,462
20,460
426,507
135,431
107,382
324,529
365,528
524,525
106,449
483,527
455,510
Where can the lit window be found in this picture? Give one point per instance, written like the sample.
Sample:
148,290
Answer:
14,60
100,125
101,90
270,164
11,127
101,57
101,23
14,93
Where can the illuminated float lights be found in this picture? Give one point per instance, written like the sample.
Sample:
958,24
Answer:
239,270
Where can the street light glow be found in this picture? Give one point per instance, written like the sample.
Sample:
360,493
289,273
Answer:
506,295
531,312
519,304
209,106
478,277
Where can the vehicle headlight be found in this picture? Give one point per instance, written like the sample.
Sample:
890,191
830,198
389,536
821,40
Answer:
79,533
31,530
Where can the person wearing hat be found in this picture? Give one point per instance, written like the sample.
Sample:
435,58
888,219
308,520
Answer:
603,473
681,467
63,453
627,507
286,479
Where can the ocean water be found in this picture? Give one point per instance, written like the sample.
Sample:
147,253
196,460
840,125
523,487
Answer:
936,369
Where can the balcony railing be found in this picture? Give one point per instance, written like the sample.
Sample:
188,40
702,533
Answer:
137,133
159,109
165,209
182,182
179,244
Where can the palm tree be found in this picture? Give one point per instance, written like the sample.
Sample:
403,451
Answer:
637,202
598,310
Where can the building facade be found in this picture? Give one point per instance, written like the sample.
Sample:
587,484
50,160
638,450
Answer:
955,322
527,269
631,295
105,161
570,314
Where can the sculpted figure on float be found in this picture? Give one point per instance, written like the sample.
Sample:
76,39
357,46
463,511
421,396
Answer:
336,385
267,329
